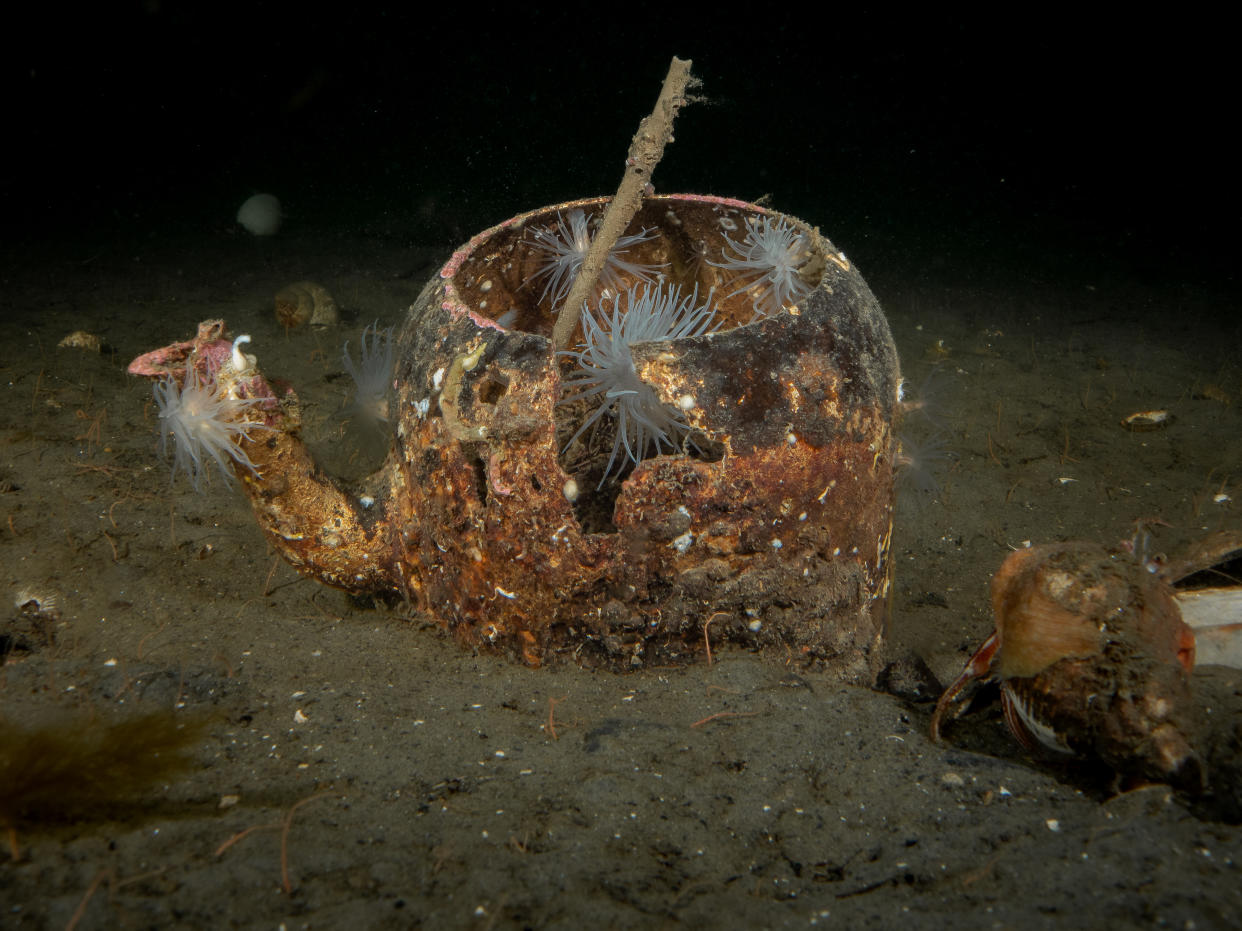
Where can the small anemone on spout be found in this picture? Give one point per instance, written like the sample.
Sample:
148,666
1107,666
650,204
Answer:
205,424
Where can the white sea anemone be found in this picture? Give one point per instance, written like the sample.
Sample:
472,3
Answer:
644,425
260,214
566,246
924,400
920,462
204,423
373,373
768,261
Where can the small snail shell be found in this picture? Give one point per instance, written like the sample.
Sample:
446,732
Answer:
305,302
80,339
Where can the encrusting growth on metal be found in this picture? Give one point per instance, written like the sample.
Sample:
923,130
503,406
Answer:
646,150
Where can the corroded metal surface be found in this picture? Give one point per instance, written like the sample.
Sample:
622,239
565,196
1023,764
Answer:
773,531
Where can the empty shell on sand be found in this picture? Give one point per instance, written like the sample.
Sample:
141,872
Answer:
40,603
1145,421
80,339
305,302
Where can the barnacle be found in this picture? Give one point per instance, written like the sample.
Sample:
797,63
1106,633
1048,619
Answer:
605,368
566,245
769,262
204,421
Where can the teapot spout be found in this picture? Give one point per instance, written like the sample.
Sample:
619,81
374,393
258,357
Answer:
325,530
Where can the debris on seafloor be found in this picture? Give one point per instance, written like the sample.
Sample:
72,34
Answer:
1093,655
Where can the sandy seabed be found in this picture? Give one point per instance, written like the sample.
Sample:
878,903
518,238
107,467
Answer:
442,789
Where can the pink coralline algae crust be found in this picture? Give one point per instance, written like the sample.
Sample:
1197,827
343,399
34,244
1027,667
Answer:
171,359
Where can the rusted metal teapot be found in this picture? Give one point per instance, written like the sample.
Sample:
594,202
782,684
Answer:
765,520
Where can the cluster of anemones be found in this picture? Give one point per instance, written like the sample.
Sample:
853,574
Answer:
206,424
605,373
766,263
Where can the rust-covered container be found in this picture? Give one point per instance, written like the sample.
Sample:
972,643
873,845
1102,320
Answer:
766,523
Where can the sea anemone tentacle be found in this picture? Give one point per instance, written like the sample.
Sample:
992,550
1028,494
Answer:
565,246
605,369
768,262
921,462
205,423
373,373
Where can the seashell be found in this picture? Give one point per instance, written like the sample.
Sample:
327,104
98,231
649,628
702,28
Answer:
305,302
1044,621
37,603
80,339
1147,421
1093,659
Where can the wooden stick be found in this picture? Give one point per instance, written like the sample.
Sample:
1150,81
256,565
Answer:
646,150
